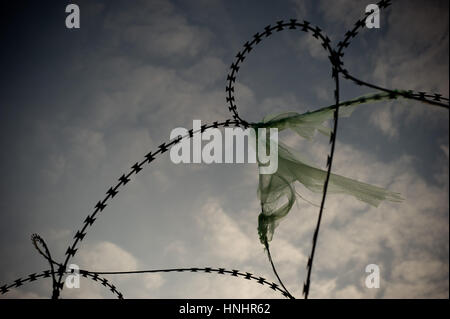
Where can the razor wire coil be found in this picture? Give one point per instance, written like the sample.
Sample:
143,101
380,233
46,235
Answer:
335,57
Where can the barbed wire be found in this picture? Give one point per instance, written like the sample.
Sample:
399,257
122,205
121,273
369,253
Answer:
94,275
124,179
220,271
48,274
335,57
424,97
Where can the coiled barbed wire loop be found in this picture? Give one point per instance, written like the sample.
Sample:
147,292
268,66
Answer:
335,57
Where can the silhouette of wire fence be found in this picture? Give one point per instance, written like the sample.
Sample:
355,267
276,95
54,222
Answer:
335,57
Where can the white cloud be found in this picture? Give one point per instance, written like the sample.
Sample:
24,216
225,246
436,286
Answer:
21,294
445,150
411,55
224,235
106,256
383,119
313,47
158,29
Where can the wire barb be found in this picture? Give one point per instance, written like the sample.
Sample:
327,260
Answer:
335,57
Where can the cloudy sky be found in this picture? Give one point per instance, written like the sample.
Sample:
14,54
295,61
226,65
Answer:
79,107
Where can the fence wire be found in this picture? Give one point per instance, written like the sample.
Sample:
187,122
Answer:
335,57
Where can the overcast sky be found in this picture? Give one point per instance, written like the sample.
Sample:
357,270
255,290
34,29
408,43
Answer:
79,107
